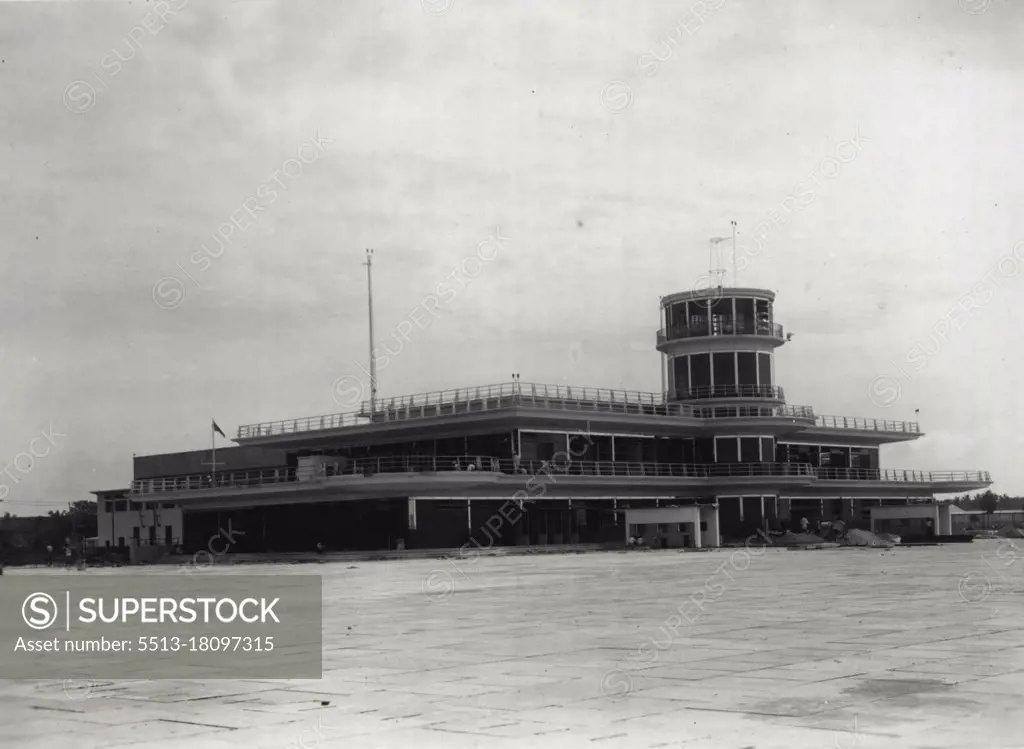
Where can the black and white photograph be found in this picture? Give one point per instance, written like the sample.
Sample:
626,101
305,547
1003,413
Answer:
466,374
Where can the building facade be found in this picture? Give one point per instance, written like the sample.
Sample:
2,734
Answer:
122,522
718,455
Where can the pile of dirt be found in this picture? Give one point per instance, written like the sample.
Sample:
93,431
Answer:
856,537
1010,531
789,538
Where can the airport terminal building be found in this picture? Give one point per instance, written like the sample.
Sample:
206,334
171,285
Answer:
714,457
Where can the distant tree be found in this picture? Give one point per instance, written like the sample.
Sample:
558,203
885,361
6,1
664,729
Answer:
82,515
76,522
988,502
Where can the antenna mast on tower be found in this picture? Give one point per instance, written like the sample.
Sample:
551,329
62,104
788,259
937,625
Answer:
735,277
716,272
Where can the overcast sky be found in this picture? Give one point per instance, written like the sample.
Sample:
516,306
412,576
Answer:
608,141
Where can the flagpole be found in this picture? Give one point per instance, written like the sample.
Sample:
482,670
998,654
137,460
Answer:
213,455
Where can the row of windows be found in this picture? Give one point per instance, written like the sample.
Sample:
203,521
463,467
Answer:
718,315
693,371
151,537
121,505
701,450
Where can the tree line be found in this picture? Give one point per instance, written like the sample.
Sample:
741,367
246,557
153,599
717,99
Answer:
75,523
988,501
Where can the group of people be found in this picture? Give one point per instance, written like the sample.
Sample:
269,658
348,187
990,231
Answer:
50,561
67,555
477,464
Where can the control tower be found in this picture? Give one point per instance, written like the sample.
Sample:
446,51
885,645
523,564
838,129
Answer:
718,347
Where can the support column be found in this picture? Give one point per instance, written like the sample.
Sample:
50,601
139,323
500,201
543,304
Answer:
714,539
469,515
696,529
945,520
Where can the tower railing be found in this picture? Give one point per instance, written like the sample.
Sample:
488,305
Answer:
773,392
720,327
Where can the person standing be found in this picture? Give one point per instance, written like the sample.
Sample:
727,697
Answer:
49,555
803,525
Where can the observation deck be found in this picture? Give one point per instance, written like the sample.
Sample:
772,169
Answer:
647,409
511,397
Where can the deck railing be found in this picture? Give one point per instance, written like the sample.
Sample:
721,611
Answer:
871,425
225,479
566,398
901,475
524,389
484,464
510,395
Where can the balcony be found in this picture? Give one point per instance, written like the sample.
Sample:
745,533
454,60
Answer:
769,392
721,328
528,395
485,464
460,465
868,425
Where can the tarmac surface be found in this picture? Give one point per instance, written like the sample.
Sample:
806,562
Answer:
910,648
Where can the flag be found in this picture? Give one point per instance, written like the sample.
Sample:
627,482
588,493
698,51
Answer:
217,429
